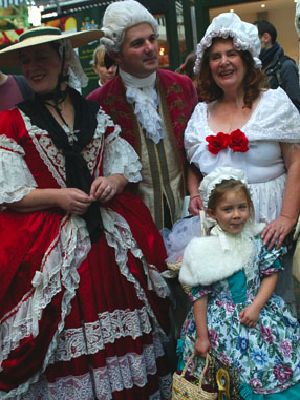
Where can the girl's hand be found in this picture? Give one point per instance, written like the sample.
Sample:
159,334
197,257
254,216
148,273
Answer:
103,189
202,347
195,204
276,231
73,200
249,316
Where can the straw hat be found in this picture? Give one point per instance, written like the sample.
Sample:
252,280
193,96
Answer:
9,56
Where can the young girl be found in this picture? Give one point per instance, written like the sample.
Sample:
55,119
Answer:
235,314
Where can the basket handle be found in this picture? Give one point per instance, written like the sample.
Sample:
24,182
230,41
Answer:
203,372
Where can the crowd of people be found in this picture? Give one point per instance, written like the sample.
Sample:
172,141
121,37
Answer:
92,201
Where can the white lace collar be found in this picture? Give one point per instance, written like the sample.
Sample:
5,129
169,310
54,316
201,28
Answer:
139,83
143,95
228,242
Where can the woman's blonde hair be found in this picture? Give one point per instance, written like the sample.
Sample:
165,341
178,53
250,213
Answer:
98,56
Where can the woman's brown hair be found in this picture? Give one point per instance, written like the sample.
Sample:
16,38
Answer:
254,80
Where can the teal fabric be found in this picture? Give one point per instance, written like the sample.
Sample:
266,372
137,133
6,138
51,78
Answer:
292,393
238,286
179,352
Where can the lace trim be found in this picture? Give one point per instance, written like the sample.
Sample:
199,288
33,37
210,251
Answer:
9,144
63,260
120,157
92,338
53,157
119,237
119,373
16,180
145,102
50,155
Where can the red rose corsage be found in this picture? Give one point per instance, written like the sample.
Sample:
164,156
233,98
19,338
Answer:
236,141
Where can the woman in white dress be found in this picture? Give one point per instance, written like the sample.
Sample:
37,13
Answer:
242,124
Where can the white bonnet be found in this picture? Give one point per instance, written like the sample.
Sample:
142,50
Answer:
244,35
211,180
121,15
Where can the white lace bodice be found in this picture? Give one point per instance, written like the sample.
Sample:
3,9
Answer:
265,129
275,120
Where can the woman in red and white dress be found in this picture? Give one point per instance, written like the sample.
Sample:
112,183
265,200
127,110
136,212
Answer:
83,307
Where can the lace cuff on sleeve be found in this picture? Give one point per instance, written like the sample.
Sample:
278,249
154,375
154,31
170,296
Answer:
15,179
120,158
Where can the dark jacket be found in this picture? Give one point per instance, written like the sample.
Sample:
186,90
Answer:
282,71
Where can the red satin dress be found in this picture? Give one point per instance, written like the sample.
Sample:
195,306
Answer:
78,321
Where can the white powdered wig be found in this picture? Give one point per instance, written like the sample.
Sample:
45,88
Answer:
120,16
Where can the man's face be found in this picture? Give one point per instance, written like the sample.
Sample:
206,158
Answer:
265,41
138,56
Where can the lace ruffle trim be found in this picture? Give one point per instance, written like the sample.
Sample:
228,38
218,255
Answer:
120,238
119,373
16,180
145,103
59,268
120,158
93,336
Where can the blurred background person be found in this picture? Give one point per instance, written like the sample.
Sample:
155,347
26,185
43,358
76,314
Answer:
280,69
187,68
103,65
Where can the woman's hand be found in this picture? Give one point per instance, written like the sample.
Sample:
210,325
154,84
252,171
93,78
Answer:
202,347
275,233
249,316
73,200
102,189
195,204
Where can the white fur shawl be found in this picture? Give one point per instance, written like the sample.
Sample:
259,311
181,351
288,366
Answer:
210,259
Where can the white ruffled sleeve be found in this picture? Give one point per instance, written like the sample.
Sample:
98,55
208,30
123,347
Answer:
16,181
195,134
275,119
120,157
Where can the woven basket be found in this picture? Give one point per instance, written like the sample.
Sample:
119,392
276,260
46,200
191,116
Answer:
185,390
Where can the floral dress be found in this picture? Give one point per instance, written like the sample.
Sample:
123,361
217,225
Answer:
267,357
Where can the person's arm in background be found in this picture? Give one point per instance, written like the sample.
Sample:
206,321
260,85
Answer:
13,90
290,81
10,93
